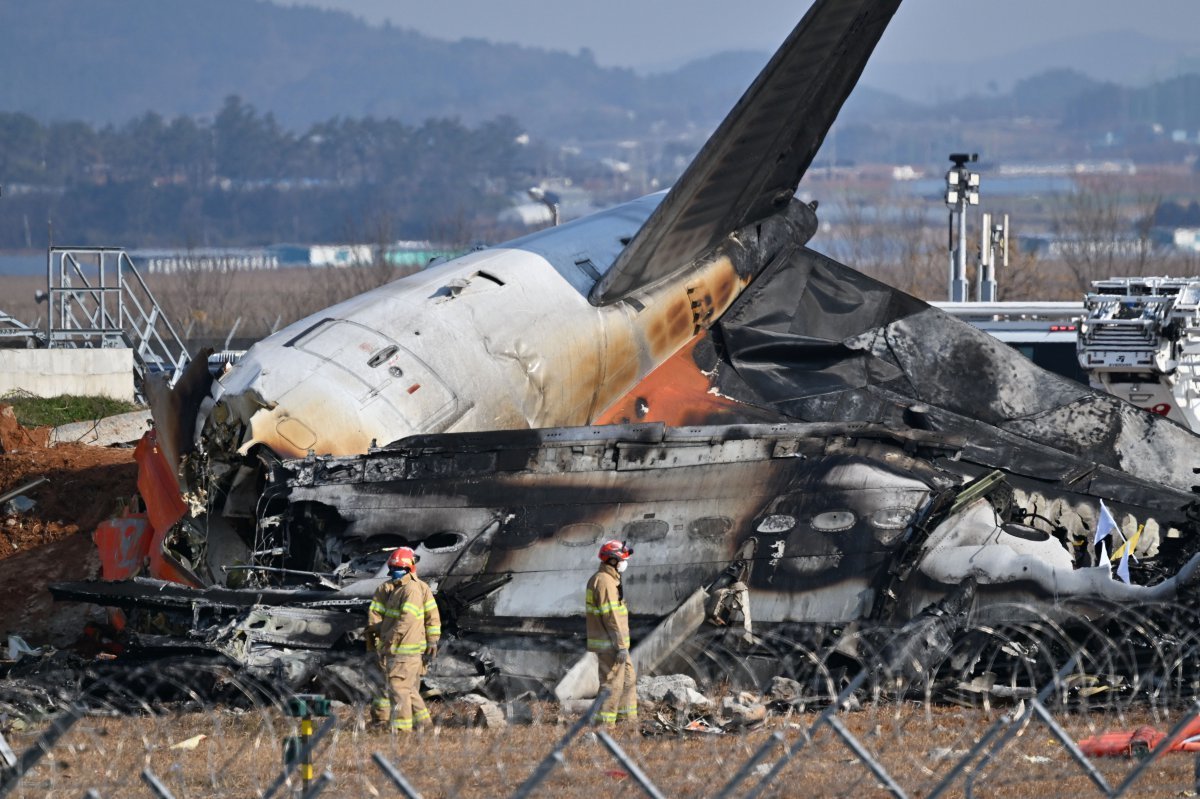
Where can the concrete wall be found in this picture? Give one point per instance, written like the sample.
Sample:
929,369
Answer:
49,373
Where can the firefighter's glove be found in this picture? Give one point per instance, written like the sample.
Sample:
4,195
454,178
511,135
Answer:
622,655
372,643
430,654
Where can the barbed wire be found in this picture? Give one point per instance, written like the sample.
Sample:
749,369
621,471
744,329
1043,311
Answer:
1004,709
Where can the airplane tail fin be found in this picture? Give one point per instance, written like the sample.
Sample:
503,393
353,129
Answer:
750,167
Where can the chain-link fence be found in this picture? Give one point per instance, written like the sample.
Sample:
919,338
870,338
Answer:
1102,707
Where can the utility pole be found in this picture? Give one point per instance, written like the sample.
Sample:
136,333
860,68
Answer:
962,189
991,238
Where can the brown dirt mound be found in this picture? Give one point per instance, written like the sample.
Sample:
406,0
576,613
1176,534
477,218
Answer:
52,542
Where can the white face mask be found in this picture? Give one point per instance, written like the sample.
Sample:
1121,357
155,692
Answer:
622,565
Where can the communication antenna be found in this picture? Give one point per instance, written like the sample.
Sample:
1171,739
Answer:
962,189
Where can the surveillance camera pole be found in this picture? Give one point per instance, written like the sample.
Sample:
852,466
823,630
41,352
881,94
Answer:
962,189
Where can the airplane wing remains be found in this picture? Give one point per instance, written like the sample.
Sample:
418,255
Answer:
750,167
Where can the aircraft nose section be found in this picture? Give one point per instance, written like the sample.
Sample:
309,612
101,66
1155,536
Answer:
333,390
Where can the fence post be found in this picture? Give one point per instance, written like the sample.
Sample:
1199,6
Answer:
290,767
319,784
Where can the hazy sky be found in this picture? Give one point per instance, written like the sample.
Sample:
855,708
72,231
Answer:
652,33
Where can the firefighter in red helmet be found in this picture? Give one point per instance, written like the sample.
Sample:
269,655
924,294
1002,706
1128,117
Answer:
403,628
608,634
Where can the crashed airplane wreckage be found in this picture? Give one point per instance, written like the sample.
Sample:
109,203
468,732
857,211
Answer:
777,434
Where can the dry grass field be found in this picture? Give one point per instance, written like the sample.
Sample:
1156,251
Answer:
240,756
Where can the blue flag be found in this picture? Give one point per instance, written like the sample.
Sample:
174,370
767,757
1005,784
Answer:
1105,526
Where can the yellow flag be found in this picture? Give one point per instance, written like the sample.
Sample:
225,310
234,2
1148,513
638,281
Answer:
1131,544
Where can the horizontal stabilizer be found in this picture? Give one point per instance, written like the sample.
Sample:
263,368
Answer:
750,167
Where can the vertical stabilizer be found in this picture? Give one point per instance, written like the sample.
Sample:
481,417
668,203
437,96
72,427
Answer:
749,169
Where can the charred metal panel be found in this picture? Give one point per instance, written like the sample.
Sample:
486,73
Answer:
818,341
833,512
828,507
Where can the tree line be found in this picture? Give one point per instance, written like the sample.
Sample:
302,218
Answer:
240,178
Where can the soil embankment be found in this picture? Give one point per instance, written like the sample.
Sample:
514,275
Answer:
52,541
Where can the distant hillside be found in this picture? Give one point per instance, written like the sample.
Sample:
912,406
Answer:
111,61
1121,57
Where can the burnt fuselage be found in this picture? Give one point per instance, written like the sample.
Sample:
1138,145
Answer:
828,523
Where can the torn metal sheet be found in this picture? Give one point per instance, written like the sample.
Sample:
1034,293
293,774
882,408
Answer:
830,524
680,372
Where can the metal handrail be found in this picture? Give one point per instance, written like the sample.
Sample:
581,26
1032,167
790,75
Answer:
113,308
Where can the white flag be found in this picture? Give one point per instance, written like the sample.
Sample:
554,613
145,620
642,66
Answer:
1123,567
1105,525
1104,559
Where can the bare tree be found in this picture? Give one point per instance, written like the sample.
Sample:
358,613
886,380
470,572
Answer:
891,240
1101,232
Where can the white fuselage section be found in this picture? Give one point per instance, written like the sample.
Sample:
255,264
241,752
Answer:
501,338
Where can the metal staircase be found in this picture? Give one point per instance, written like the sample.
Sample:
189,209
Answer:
98,298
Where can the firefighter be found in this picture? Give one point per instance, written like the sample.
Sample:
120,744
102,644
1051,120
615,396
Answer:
608,634
403,628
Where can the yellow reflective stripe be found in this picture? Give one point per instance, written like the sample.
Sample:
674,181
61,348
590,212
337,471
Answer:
421,715
384,610
606,643
402,724
430,605
381,703
415,610
627,711
616,606
431,629
606,717
408,649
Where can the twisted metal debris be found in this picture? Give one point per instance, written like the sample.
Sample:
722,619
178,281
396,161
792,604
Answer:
1001,714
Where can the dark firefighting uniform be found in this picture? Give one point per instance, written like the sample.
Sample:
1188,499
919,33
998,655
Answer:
403,621
608,632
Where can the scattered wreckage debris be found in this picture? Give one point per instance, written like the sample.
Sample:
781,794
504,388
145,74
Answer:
491,582
1139,743
123,428
819,467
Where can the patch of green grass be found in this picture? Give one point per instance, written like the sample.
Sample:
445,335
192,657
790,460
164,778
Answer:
35,411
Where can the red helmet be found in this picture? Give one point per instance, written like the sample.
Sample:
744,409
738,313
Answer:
615,549
403,558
